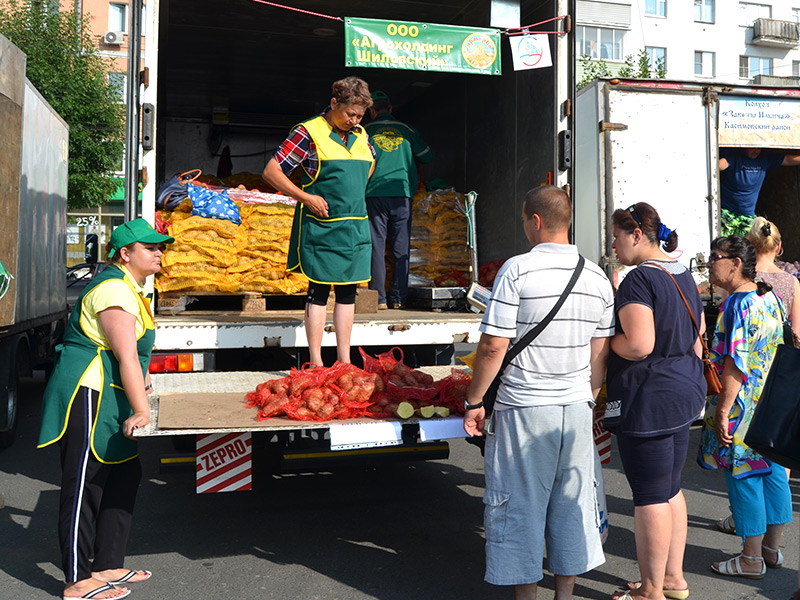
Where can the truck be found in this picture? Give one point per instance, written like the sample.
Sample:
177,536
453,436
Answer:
33,221
244,77
659,141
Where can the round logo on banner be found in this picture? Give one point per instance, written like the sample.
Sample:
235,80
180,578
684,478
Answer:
479,50
530,51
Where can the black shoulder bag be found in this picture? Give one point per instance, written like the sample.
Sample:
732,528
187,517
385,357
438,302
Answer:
774,430
491,394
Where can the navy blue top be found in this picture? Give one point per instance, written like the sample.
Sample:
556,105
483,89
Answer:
741,182
666,391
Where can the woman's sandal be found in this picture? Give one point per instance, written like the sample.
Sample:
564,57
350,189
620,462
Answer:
727,525
733,567
772,564
670,594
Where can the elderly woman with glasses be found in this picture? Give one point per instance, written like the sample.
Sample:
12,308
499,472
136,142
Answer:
749,329
656,389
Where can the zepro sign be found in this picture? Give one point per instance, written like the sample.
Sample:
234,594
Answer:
421,46
759,122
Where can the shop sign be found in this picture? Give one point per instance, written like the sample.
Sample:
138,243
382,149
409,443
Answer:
421,46
759,122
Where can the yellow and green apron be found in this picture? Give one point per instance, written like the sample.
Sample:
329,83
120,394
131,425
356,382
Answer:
336,249
74,356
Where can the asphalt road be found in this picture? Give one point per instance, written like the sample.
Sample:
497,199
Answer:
393,532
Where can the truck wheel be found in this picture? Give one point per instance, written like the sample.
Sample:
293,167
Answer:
9,400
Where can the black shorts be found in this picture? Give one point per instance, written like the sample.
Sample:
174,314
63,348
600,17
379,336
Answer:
318,293
653,465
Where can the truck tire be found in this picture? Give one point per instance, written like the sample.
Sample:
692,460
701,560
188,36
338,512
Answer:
9,392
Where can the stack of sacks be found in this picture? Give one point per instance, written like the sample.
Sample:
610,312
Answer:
439,252
216,255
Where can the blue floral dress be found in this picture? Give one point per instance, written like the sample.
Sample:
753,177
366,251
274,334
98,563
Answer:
749,329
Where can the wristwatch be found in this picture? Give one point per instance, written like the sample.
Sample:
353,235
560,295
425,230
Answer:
468,406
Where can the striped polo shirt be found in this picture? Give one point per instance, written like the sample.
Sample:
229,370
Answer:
555,368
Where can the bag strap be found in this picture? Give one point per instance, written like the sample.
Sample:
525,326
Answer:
185,178
535,331
691,314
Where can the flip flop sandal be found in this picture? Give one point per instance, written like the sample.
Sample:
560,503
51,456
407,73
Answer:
727,525
95,592
671,594
772,564
130,575
733,567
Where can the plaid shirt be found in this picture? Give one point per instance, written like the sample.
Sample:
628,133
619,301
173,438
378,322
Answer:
300,149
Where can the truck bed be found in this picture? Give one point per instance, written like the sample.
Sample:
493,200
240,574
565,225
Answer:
203,403
207,330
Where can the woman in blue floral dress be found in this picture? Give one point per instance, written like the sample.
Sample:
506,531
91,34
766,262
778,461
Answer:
749,329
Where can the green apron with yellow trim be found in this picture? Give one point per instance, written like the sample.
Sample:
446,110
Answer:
336,249
75,355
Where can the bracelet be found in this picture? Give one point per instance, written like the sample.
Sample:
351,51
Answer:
148,387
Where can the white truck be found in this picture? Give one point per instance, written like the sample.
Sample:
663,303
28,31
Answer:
33,221
243,77
659,142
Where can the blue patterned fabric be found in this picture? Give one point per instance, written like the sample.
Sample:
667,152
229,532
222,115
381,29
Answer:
213,205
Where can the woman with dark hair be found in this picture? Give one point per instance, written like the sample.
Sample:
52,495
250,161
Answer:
749,329
655,392
330,242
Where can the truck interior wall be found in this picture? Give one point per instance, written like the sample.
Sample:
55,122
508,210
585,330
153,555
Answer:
778,203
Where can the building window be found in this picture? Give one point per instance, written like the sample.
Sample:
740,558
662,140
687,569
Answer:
116,81
796,15
703,64
600,42
656,8
749,12
704,11
118,17
796,68
657,57
750,66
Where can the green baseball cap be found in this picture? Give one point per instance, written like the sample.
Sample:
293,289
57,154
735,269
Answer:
137,230
380,95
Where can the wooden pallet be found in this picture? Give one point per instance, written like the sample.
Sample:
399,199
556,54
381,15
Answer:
246,302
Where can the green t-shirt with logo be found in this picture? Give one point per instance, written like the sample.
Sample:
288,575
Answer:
397,147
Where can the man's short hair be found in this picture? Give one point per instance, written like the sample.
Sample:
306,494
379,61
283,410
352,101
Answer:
552,204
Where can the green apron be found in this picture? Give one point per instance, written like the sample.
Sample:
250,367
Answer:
74,356
336,249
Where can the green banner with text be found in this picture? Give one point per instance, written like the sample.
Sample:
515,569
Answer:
421,46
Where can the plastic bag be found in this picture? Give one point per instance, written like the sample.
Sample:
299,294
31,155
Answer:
213,205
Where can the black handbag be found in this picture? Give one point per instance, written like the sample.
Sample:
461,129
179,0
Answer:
173,192
774,430
491,394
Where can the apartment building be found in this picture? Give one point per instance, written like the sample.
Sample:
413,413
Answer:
724,41
110,25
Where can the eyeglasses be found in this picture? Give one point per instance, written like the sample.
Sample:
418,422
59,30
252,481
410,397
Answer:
714,257
632,210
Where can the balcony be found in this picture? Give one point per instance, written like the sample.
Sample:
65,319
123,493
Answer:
776,81
774,33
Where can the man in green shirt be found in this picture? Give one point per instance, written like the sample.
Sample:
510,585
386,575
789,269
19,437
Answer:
398,147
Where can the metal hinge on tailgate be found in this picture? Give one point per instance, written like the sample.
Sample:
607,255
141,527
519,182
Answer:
607,126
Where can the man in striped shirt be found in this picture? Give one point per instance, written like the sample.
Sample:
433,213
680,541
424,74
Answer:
540,477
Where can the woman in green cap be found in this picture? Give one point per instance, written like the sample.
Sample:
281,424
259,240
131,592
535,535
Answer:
94,401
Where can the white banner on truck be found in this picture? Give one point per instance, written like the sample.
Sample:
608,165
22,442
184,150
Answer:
530,51
763,122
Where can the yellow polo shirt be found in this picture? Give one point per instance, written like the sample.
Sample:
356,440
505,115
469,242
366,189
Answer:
110,293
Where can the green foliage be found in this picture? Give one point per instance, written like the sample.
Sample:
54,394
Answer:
64,65
591,69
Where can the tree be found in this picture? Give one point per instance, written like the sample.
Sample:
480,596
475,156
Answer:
637,65
64,65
